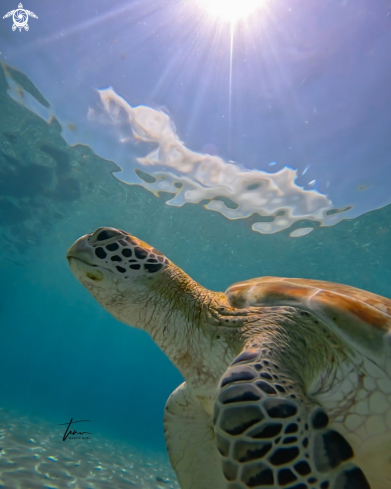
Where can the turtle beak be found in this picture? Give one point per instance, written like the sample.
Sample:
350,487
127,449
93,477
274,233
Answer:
81,251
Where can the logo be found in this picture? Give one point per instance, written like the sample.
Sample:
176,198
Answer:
20,17
72,434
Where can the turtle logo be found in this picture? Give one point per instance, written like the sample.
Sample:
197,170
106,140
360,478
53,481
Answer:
20,17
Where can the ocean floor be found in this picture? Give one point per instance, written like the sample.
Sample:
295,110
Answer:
34,456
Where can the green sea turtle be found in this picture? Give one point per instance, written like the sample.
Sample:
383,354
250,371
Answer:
287,381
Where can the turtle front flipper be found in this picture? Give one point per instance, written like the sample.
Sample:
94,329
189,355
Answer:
190,442
271,435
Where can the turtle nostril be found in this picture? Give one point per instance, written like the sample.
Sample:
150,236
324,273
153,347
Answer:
106,234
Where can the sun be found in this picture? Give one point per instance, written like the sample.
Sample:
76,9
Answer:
231,10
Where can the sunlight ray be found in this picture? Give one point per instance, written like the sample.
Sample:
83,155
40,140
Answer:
231,11
230,85
81,27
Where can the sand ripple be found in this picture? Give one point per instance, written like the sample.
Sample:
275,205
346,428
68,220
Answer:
32,456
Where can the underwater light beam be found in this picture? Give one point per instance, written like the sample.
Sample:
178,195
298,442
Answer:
231,10
230,85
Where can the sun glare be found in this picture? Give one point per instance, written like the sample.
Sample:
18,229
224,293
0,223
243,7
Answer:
231,10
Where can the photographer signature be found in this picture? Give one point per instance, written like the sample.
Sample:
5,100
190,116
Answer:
74,432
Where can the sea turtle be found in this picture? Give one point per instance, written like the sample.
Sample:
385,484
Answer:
287,381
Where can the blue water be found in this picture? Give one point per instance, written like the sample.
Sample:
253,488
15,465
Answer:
61,355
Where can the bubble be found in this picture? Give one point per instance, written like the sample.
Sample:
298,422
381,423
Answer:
297,233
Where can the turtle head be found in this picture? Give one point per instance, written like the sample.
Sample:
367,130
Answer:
140,287
116,268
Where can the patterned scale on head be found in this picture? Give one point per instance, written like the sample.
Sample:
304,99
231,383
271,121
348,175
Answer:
125,253
287,381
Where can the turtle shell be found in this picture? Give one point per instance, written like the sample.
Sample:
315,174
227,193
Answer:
361,317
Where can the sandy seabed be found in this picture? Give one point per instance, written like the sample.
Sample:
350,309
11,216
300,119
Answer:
32,456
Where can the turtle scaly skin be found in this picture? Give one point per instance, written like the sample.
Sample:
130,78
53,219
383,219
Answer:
287,381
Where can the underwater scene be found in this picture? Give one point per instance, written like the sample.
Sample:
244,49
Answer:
195,236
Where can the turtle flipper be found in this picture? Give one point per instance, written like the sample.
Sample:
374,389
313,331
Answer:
8,14
271,435
190,442
31,14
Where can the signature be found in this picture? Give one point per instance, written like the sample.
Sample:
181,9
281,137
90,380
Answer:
74,432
